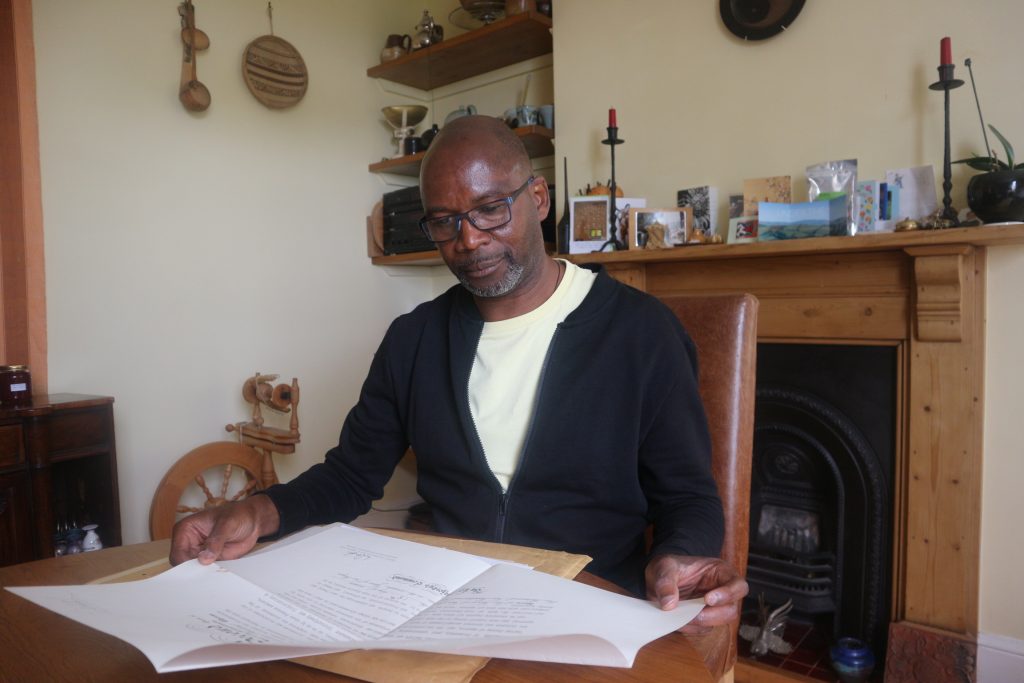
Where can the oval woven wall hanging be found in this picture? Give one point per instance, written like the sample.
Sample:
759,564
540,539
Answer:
274,72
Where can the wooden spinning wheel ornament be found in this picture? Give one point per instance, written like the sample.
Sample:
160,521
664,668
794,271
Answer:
227,471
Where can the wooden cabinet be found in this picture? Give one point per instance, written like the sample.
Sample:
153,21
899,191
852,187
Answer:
58,464
508,41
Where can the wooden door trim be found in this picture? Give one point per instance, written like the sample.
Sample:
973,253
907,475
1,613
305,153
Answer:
23,285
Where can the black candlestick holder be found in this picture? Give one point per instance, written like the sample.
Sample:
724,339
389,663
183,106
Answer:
946,83
613,239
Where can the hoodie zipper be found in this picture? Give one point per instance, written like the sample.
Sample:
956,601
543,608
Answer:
504,500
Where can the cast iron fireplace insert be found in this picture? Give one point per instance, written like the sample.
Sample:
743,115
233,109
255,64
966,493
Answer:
821,495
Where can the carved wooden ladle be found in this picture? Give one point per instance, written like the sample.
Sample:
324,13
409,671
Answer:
193,95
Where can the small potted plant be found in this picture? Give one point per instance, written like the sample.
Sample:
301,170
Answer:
997,194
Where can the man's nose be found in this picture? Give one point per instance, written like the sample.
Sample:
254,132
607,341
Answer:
470,237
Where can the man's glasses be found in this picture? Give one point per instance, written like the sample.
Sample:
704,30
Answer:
489,216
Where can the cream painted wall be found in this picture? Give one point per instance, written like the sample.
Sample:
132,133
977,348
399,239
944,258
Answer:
186,251
698,106
1002,553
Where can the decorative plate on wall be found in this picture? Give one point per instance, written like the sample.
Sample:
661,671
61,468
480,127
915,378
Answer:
274,72
759,19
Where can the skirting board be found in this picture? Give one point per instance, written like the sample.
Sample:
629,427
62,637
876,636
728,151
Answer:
1000,659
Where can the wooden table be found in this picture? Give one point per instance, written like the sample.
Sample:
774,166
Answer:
39,645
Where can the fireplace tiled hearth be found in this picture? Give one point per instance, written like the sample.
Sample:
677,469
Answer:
920,294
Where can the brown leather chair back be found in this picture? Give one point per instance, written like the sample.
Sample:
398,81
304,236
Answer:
724,329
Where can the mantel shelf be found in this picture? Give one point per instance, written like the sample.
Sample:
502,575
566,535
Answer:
537,140
985,235
511,40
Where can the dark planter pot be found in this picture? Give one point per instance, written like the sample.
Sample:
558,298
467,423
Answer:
998,196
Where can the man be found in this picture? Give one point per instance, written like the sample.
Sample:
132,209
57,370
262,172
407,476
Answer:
548,405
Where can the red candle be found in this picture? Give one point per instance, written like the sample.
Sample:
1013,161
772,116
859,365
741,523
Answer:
945,52
612,123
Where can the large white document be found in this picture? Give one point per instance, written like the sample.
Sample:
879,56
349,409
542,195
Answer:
343,588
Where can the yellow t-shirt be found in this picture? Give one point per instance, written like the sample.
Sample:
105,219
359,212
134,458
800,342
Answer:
506,372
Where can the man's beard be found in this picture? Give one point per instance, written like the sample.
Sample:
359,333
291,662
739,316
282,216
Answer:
513,275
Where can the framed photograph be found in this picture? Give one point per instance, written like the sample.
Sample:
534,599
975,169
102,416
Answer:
660,228
742,229
588,223
623,205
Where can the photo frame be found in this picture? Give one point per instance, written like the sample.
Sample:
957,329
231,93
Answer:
742,229
588,223
623,206
660,228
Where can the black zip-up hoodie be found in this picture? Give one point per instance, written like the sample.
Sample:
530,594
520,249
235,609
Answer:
618,439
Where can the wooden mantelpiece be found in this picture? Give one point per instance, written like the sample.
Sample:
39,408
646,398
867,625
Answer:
922,292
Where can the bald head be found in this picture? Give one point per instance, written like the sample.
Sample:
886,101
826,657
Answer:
475,140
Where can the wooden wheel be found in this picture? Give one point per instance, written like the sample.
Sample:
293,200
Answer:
205,477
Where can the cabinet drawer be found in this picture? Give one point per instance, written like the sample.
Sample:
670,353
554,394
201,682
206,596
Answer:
79,429
11,446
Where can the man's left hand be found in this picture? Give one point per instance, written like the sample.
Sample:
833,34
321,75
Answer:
671,578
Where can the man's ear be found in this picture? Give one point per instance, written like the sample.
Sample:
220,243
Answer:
541,197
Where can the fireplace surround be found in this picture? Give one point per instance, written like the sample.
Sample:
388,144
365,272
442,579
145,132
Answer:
922,294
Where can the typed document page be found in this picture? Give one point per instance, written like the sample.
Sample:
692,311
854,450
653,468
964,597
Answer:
343,588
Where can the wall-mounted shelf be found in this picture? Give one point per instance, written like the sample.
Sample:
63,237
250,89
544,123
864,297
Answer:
419,258
513,39
537,139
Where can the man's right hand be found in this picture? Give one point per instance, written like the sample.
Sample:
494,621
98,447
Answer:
225,532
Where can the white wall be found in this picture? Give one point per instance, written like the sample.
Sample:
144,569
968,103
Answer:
698,106
186,251
1002,552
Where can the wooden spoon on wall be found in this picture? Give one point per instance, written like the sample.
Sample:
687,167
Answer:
193,95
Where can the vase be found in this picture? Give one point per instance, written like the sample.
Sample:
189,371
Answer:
997,196
852,659
92,540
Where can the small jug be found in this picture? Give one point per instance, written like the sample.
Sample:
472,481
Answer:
464,110
395,46
428,32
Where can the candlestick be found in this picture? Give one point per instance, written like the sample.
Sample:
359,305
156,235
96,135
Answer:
945,51
612,140
946,83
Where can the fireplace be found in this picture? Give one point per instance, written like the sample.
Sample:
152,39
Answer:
922,295
821,493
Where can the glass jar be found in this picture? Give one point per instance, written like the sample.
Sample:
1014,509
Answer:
15,386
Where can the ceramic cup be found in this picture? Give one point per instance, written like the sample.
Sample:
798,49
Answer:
547,116
526,115
464,110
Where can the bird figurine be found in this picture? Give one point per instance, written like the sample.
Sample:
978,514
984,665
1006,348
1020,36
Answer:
768,637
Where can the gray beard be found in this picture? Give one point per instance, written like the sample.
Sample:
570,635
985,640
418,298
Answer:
513,274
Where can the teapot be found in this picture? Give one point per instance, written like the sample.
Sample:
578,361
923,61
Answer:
428,32
464,110
395,46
